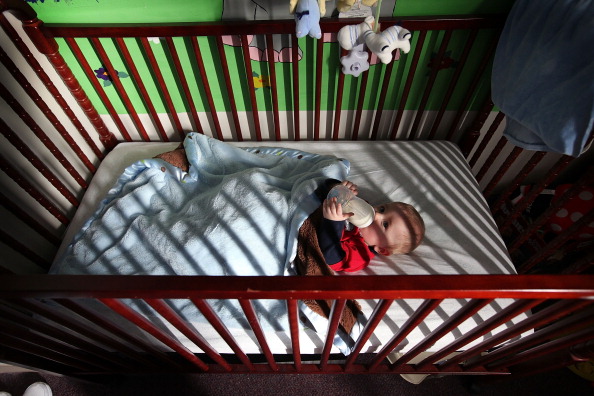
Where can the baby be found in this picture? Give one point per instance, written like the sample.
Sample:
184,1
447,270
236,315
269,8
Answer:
397,228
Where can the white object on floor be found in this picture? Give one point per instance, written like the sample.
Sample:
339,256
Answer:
38,389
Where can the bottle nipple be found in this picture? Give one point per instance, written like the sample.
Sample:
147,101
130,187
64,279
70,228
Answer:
363,213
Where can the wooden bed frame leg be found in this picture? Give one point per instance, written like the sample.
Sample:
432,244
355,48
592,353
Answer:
48,46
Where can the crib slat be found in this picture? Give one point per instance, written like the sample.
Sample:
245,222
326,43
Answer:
119,87
11,354
335,315
493,322
526,169
469,309
491,159
17,246
42,136
20,145
541,318
406,91
469,140
411,323
272,77
295,69
318,92
502,170
554,171
68,355
339,95
168,313
548,348
7,168
150,328
218,325
485,62
131,66
557,242
376,317
248,309
184,83
81,59
488,135
206,85
45,109
161,86
568,326
453,83
414,131
43,352
26,218
379,108
252,92
72,338
227,78
359,111
294,326
77,326
118,332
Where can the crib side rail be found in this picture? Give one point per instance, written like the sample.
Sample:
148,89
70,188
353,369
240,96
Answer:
47,323
155,83
368,286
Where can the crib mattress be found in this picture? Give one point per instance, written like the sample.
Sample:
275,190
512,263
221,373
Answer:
461,236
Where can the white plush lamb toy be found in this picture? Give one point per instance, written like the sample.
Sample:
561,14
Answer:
351,36
382,44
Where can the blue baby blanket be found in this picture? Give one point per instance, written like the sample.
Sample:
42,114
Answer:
234,212
543,75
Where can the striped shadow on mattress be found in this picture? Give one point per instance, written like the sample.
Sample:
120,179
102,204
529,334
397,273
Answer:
433,176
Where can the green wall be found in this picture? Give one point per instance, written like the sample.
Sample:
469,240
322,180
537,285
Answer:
119,11
146,11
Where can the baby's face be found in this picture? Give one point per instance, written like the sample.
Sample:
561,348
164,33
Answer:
388,228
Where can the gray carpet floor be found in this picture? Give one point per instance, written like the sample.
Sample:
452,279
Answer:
557,383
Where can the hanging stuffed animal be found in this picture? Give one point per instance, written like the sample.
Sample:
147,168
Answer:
382,44
307,18
351,36
321,4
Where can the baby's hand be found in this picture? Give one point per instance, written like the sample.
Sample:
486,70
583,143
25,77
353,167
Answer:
332,210
351,186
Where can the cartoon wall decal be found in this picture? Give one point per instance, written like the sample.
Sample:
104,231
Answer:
260,81
447,62
257,47
103,74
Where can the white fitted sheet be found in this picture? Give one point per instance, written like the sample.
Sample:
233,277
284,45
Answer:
461,236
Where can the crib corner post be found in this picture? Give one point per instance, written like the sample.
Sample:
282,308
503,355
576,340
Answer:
45,43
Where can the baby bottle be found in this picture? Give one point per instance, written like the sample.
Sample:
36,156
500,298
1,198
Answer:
363,212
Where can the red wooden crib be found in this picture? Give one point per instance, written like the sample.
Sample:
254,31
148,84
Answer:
67,103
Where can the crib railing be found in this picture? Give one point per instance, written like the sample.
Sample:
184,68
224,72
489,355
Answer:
66,103
46,324
158,82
